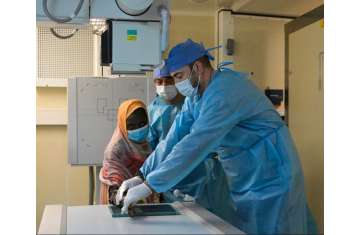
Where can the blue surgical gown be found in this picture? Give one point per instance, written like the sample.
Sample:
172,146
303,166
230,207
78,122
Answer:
161,115
263,173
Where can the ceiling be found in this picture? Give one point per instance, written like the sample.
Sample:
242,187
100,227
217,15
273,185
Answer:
277,7
281,7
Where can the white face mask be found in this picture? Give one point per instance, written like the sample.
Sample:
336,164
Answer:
185,87
167,92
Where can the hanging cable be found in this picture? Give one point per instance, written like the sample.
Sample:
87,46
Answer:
61,20
165,19
52,30
122,7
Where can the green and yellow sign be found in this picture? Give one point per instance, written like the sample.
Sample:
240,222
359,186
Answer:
131,34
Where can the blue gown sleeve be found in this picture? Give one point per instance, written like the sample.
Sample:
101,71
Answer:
218,115
179,128
153,137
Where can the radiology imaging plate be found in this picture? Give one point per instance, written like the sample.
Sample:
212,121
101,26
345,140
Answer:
145,210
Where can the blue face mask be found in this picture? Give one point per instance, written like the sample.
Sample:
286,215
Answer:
139,135
185,87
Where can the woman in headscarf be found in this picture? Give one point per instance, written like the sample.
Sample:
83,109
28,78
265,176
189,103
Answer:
127,149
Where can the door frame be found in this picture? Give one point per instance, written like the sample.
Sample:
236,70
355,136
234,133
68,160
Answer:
291,27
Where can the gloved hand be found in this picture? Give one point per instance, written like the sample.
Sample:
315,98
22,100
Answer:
134,195
127,184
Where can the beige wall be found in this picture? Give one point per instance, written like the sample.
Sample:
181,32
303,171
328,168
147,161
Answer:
58,182
306,111
259,48
198,28
51,97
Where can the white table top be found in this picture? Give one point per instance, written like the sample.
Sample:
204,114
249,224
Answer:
97,219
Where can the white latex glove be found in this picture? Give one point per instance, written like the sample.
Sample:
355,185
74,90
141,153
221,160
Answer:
127,184
185,197
134,195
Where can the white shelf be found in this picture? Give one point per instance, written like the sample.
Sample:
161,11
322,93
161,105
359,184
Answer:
51,82
51,116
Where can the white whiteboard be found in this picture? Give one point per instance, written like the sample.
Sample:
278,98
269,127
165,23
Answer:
92,113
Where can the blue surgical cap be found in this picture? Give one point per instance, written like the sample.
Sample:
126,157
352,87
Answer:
185,53
161,71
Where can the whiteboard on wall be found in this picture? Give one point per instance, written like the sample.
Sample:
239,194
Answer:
92,113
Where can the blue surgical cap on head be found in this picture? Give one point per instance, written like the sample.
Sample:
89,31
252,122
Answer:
161,71
185,53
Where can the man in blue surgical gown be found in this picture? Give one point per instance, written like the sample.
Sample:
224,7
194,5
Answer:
164,108
225,113
162,112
